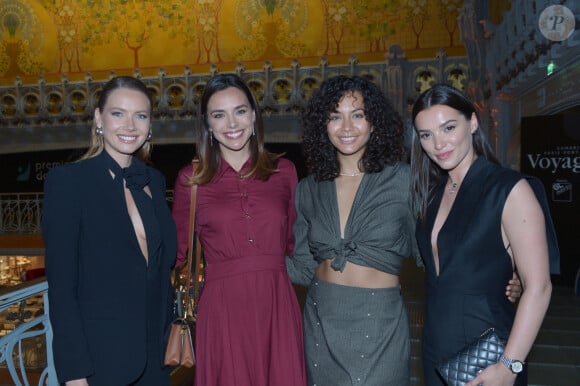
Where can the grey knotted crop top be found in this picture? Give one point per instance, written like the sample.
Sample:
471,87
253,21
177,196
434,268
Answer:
379,233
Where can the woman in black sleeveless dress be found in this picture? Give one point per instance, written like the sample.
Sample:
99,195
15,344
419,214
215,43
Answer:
477,220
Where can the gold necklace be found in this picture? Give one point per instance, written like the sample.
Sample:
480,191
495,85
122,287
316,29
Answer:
351,174
453,187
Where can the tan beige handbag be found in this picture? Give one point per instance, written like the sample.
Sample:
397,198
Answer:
180,345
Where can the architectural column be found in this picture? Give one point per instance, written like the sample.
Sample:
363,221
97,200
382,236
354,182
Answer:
479,85
394,77
504,122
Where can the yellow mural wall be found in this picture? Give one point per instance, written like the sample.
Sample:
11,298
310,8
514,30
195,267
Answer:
76,37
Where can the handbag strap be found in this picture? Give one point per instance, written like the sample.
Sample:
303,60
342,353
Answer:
195,284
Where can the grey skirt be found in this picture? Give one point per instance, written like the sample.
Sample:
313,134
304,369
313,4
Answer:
355,336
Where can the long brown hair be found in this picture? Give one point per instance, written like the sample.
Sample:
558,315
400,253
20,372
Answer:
262,163
425,173
97,143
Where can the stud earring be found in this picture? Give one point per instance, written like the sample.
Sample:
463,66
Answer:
149,136
99,131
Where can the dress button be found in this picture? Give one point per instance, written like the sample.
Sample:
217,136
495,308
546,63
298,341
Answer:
251,241
368,314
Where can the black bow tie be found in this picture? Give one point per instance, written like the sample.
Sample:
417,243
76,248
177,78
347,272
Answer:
136,176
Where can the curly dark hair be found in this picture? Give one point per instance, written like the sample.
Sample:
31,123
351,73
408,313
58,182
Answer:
386,143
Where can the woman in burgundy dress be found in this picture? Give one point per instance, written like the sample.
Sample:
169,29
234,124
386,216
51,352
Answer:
249,326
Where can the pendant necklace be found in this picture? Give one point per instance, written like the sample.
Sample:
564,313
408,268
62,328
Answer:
453,187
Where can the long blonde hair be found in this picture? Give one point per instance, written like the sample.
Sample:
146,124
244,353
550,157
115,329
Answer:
97,143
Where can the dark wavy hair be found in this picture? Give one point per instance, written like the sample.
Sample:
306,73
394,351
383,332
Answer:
262,163
386,143
425,173
97,143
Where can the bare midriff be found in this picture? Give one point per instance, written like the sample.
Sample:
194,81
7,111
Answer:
356,276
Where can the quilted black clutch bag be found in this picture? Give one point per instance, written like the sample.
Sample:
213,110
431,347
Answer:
472,359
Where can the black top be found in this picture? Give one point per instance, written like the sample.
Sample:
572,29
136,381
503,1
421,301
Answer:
468,296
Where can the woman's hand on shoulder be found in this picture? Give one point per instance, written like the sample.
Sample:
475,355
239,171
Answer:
513,290
77,382
494,375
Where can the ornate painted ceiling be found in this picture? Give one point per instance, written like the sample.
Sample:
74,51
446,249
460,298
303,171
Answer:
76,37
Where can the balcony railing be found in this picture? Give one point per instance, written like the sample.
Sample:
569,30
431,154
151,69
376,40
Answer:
26,335
54,114
20,213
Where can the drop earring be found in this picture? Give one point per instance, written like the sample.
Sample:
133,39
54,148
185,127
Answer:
99,131
149,136
253,130
210,137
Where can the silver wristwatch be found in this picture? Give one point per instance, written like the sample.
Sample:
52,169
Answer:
514,365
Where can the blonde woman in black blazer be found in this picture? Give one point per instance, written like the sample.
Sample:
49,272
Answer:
110,245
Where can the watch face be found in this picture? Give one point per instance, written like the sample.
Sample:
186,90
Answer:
517,367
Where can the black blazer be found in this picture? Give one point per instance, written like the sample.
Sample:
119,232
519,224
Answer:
101,290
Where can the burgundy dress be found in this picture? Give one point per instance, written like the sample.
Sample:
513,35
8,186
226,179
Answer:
249,325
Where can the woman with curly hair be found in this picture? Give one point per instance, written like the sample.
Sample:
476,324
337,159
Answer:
353,229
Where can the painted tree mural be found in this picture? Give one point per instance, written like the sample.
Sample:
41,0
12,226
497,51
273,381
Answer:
376,22
65,14
127,22
131,22
66,17
21,38
336,16
270,28
448,11
416,14
208,27
73,36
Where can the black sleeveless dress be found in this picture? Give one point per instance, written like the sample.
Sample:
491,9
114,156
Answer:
468,296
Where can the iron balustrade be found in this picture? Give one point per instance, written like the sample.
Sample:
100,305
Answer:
20,213
51,114
26,349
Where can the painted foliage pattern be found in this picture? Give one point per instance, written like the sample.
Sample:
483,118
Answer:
76,36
